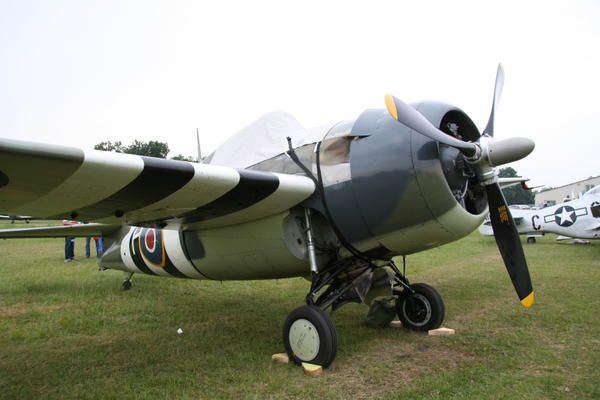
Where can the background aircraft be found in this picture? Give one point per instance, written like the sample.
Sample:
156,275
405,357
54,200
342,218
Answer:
334,204
14,218
578,218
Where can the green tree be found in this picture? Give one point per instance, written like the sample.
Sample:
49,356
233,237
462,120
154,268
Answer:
515,194
151,148
110,146
181,157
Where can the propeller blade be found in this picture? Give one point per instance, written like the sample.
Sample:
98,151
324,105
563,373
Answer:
413,119
489,129
509,244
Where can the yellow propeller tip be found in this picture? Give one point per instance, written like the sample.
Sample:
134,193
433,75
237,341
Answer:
528,301
391,106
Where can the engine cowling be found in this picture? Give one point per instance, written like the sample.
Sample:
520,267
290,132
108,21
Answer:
406,192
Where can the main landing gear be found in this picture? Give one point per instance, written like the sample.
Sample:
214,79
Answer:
126,285
309,335
421,310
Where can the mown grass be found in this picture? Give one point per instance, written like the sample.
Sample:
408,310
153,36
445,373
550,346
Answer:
68,331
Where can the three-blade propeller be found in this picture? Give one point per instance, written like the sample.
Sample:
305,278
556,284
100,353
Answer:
484,154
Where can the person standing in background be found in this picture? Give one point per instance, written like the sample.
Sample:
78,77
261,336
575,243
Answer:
69,242
98,241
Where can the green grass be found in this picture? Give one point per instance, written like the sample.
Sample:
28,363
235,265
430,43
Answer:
68,331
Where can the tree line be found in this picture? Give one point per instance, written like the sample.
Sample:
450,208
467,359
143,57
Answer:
151,148
515,194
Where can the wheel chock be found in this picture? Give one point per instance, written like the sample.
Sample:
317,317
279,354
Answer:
441,332
280,358
312,369
396,324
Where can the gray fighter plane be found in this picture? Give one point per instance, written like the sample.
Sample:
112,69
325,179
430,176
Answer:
334,204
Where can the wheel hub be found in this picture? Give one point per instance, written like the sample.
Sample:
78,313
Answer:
417,309
304,339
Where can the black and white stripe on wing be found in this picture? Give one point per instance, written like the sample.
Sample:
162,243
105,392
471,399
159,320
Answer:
58,182
159,179
253,187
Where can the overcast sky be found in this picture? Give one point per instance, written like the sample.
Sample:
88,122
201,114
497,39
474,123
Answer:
80,72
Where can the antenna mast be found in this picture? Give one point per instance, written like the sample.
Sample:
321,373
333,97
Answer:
199,159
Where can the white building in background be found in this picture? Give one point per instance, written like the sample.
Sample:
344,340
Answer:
566,192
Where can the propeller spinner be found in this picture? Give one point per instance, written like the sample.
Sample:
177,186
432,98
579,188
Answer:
484,154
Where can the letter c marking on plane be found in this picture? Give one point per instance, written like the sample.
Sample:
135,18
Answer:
536,225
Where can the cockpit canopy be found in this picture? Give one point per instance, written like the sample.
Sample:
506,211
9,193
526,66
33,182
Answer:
594,190
264,139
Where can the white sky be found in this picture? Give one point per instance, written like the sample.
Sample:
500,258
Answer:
80,72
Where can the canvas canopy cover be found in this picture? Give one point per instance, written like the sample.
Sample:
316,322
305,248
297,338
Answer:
263,139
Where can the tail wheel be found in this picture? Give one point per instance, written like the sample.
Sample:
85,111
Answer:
309,336
422,310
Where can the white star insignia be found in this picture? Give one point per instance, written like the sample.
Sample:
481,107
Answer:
565,216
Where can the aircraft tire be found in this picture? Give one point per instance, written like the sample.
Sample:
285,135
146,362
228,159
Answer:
531,240
421,311
309,336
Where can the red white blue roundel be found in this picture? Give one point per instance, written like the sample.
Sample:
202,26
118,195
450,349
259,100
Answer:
152,247
565,216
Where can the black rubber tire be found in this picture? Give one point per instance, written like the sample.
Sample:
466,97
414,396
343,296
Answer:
126,285
428,308
325,329
531,240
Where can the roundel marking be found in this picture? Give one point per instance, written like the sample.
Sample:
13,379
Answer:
150,240
152,247
565,216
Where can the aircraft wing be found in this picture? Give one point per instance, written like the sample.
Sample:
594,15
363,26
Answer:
506,182
81,230
60,182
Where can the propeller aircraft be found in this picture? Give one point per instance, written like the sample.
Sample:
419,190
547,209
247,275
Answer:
14,218
334,204
579,219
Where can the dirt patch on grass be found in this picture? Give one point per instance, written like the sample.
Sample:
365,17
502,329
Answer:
389,364
17,310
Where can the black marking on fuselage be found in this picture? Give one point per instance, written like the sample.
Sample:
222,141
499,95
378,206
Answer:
595,209
159,179
192,248
136,256
172,270
3,179
136,249
253,187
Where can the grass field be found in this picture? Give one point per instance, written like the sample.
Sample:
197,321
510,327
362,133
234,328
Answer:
68,331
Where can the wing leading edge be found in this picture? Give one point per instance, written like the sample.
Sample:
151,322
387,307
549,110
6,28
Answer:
81,230
59,182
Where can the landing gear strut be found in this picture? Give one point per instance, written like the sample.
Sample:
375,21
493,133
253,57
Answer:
309,334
